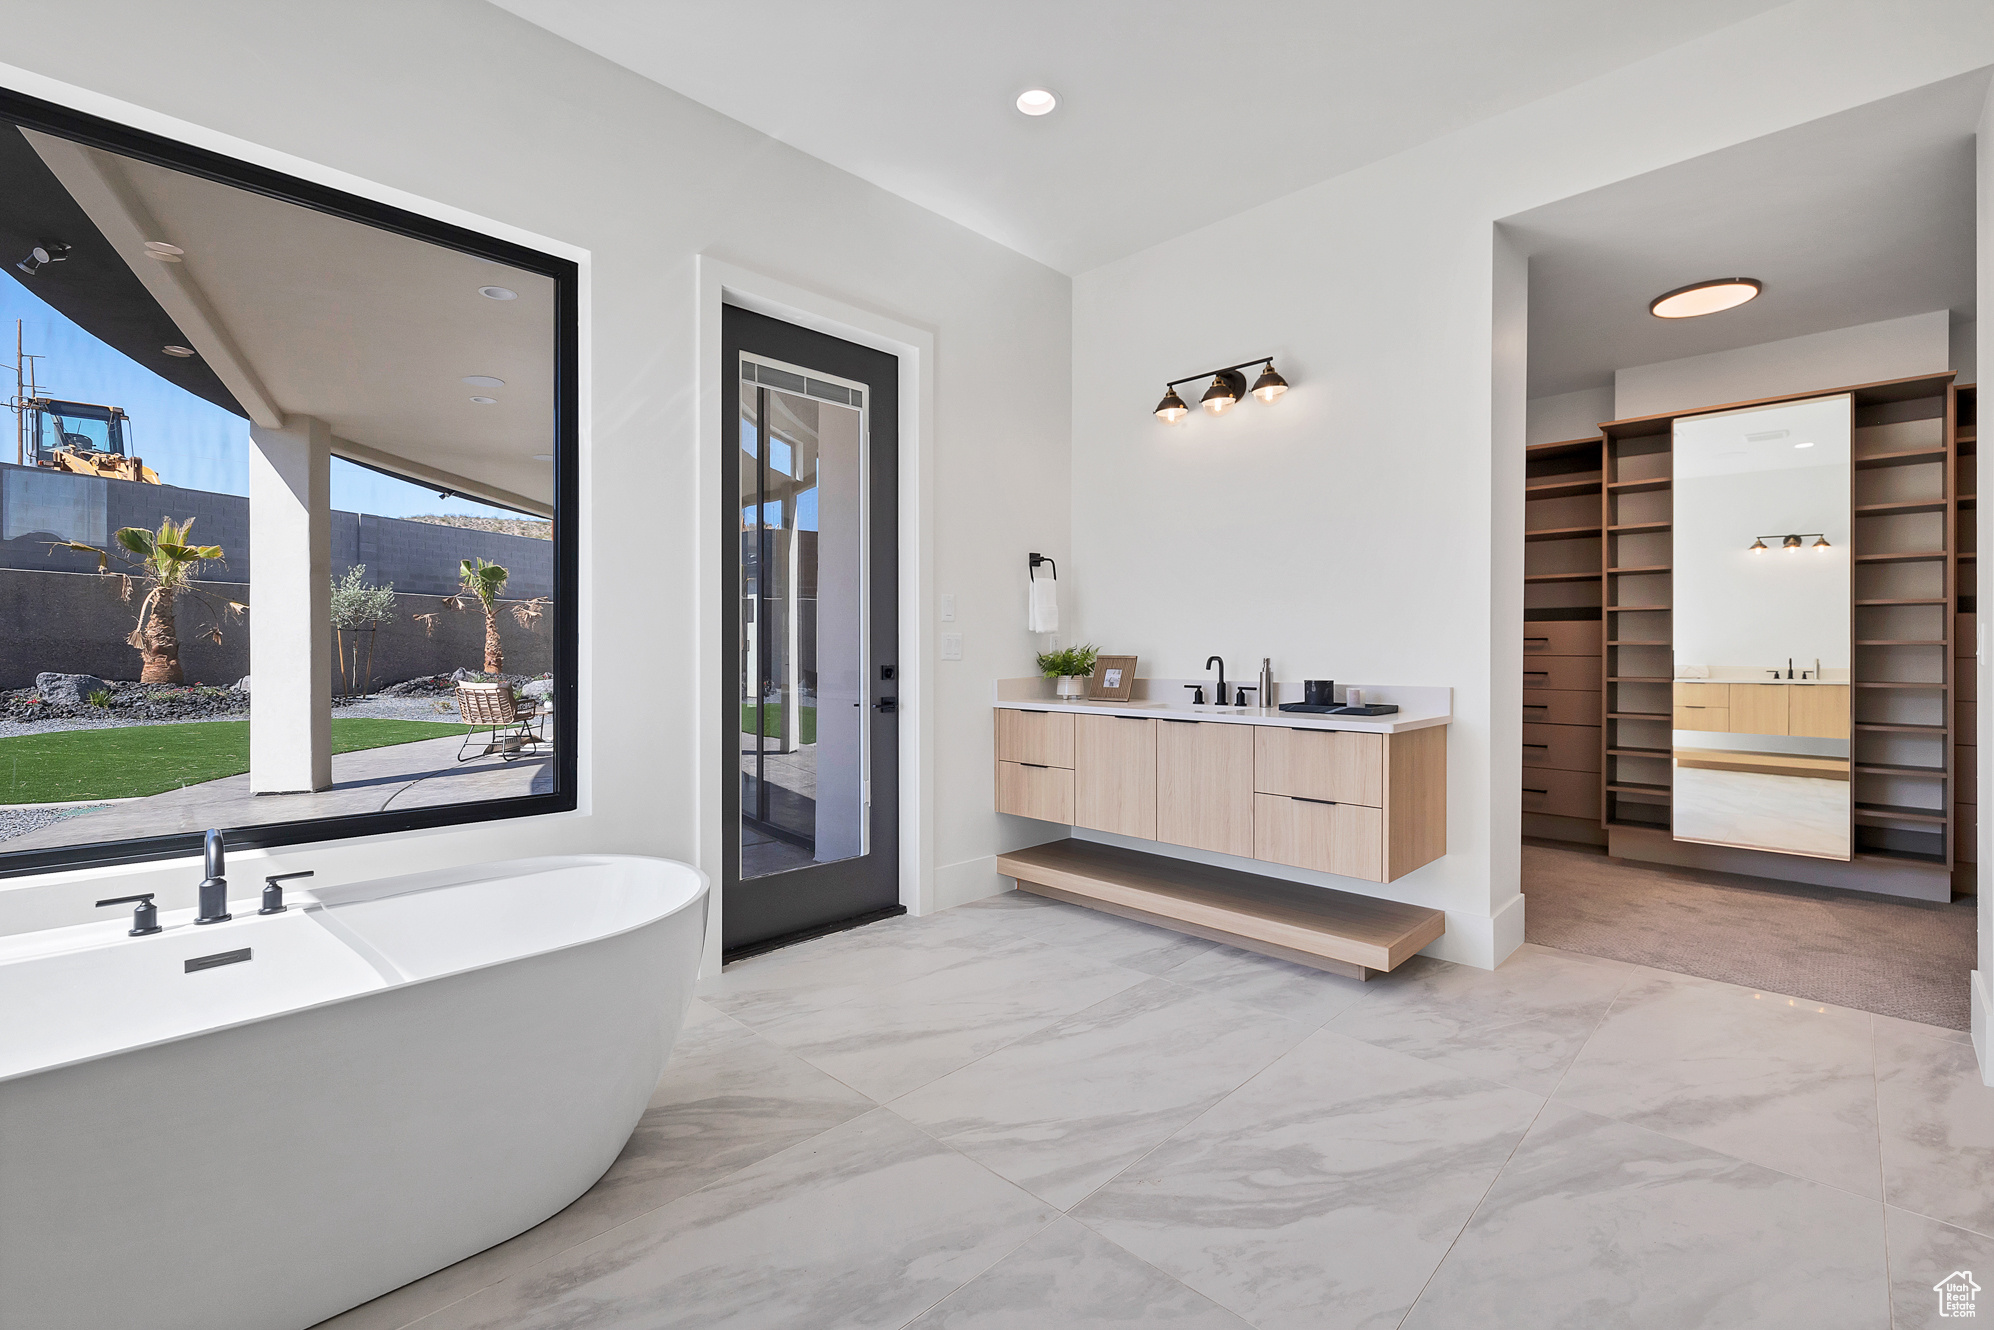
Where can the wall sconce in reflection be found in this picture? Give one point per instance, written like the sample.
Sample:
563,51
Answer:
1790,542
1227,387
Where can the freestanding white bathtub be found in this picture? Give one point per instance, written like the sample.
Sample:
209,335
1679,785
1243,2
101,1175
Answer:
402,1073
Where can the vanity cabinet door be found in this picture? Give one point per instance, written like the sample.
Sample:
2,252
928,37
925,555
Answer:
1114,774
1347,839
1204,785
1042,792
1044,738
1818,710
1759,708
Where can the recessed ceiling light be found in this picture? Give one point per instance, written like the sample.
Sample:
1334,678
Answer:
181,351
1803,445
483,381
486,401
1700,298
165,253
1037,101
1767,435
498,293
543,457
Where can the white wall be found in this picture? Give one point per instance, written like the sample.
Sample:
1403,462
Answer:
1866,353
1568,415
1983,665
1751,610
459,103
1362,527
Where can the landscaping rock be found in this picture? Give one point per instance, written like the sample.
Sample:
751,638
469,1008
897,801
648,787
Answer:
242,684
129,702
69,689
539,688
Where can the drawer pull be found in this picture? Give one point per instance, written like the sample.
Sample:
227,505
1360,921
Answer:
1300,800
1034,711
1037,765
1545,673
1536,639
1537,745
1174,720
1530,790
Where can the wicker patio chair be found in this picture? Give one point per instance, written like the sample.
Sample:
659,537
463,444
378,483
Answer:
512,734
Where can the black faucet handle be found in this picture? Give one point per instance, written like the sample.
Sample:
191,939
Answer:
1197,694
273,894
145,918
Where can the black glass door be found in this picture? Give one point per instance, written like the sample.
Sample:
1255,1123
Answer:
811,557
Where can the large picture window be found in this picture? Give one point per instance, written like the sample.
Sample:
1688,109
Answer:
286,537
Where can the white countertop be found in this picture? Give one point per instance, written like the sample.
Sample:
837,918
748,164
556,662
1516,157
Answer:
1406,718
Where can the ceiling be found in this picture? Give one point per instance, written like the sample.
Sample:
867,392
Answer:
1173,113
1851,219
297,312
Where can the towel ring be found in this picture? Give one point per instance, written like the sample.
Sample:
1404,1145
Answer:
1036,560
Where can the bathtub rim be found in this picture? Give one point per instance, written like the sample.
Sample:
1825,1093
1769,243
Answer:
436,879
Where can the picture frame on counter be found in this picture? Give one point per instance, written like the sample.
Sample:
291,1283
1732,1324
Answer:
1113,679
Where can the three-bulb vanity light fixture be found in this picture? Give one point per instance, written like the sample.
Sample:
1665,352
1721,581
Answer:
1791,542
1228,386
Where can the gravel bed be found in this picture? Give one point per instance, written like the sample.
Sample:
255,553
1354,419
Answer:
20,821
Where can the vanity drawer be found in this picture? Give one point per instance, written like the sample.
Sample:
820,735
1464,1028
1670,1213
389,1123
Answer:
1563,747
1561,637
1549,706
1692,717
1346,839
1337,765
1561,793
1703,694
1043,738
1561,672
1035,791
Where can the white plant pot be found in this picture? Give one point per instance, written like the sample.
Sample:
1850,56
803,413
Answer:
1071,685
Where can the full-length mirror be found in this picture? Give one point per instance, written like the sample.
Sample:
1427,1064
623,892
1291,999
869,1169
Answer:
1762,638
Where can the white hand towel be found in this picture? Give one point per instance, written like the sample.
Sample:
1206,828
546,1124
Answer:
1042,616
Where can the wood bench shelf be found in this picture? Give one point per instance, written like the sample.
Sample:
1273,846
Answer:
1338,931
1561,533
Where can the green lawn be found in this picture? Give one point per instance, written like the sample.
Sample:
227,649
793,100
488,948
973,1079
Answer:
772,721
151,759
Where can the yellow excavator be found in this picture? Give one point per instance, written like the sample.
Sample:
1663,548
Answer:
81,439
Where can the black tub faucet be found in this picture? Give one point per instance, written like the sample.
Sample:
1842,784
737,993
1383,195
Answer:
214,887
1218,696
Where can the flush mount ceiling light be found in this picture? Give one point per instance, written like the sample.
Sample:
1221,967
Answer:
486,401
1700,298
1227,387
181,352
1037,101
50,251
1803,445
498,293
483,381
165,253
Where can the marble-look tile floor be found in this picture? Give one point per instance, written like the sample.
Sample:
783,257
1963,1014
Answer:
1019,1115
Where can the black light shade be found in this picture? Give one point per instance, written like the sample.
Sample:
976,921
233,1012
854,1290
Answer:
1171,409
1790,543
1269,385
1758,546
1227,387
1820,542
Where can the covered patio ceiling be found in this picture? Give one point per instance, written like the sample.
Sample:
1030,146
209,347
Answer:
295,312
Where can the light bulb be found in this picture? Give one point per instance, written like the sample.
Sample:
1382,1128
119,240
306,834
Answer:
1171,409
1758,547
1219,398
1269,385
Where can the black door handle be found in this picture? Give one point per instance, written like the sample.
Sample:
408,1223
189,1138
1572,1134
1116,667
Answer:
885,704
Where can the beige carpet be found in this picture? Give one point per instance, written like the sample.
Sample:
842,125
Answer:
1899,958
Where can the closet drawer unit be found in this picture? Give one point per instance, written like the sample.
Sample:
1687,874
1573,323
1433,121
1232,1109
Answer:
1966,720
1966,834
1042,738
1042,792
1964,632
1561,637
1561,747
1561,793
1549,706
1336,765
1965,779
1346,839
1561,672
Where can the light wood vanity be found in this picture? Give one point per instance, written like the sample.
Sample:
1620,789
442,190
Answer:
1801,710
1360,804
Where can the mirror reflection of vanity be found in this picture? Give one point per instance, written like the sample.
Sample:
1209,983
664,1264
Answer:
1761,713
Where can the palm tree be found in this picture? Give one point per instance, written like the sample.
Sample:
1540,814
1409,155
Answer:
166,565
485,581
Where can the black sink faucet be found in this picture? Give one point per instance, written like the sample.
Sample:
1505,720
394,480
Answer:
1218,698
214,887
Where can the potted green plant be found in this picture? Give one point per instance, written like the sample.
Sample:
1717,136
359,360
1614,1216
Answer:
1071,666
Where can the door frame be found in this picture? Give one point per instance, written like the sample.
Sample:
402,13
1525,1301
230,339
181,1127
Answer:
722,283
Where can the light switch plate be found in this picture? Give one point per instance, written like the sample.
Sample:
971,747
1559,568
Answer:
948,607
951,646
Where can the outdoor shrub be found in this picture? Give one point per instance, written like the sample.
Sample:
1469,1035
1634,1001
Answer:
100,698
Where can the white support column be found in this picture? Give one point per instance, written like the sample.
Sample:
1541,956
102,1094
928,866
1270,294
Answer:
290,606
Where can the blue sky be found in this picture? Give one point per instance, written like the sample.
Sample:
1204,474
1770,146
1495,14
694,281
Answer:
188,441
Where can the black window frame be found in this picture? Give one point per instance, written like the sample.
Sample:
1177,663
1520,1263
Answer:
92,131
